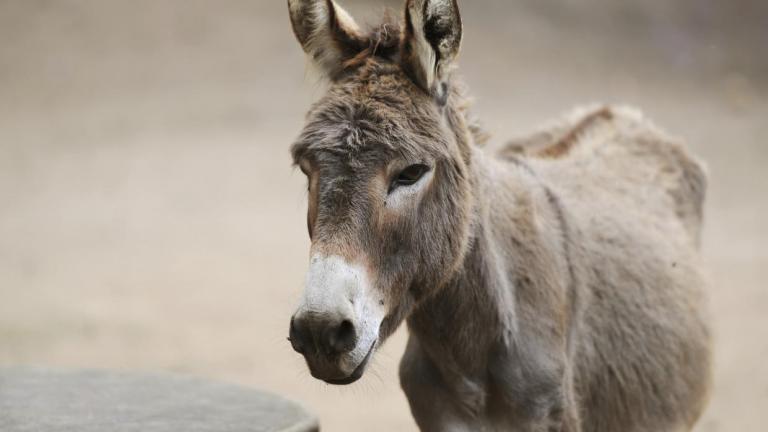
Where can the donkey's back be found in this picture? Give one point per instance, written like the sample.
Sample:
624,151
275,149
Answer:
618,153
633,198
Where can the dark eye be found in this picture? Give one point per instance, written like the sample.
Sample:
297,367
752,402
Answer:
409,176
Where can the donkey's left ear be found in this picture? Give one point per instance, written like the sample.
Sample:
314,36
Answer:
431,43
326,32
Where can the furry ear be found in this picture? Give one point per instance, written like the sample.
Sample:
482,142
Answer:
326,32
431,42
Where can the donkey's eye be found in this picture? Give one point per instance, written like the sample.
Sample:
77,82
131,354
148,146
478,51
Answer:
409,176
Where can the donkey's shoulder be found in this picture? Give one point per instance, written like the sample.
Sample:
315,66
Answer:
618,144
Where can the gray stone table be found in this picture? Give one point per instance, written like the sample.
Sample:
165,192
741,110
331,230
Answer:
41,400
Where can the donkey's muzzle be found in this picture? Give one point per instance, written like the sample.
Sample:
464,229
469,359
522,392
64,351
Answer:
337,322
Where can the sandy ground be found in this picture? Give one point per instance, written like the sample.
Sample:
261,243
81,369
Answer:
150,219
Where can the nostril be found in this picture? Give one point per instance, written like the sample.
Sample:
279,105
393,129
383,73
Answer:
344,338
295,338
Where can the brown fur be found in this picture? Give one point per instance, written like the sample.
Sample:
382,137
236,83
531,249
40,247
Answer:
555,286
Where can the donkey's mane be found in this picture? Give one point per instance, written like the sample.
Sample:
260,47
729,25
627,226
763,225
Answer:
383,41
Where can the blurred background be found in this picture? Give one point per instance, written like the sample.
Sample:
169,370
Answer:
150,218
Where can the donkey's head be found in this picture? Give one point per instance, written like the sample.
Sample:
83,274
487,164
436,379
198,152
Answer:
386,153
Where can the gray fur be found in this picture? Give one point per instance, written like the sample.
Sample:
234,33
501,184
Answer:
554,286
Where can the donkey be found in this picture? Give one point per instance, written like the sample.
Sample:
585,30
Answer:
554,285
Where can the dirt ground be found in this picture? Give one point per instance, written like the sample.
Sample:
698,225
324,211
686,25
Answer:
150,219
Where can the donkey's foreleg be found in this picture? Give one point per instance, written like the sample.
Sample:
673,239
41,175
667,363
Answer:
436,405
534,384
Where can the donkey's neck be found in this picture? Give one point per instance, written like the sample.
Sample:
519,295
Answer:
460,326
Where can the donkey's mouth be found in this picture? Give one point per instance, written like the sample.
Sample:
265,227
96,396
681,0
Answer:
357,373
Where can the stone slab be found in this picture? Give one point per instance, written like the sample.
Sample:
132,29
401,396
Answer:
41,400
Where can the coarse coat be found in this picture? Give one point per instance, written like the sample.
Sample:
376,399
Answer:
554,285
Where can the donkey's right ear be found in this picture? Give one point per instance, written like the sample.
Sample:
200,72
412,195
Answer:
326,32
